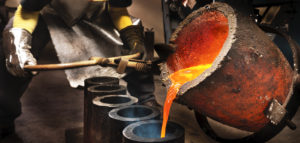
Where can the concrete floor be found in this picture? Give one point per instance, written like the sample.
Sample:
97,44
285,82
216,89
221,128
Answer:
50,106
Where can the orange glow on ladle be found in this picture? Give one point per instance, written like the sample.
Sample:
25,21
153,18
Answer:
178,79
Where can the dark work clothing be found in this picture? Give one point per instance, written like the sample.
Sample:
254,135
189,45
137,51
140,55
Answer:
201,3
36,5
12,88
120,3
140,85
3,15
2,2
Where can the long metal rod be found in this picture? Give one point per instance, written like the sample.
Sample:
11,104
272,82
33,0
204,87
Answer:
93,61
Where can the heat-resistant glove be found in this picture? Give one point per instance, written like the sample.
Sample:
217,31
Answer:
17,45
133,40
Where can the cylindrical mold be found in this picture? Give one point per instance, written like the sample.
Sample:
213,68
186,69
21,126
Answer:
102,80
92,92
123,116
149,131
100,131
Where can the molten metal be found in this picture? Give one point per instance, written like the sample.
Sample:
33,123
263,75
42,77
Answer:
201,42
178,79
193,58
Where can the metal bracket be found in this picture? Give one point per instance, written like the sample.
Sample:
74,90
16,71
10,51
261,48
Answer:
122,66
275,112
149,44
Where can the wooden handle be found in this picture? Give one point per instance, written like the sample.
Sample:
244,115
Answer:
93,61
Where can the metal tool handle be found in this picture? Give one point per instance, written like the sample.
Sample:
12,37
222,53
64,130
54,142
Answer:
91,62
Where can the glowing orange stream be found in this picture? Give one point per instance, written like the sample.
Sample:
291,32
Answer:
178,79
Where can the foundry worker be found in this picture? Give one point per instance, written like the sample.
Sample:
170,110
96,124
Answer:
69,23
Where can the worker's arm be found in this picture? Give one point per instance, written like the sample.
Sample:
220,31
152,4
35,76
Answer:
27,14
131,35
25,19
17,40
120,17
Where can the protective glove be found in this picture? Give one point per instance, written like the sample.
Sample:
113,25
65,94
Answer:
133,40
17,45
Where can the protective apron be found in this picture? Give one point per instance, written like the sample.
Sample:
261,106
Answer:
81,29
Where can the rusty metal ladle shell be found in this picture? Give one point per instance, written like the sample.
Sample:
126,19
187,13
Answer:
248,70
